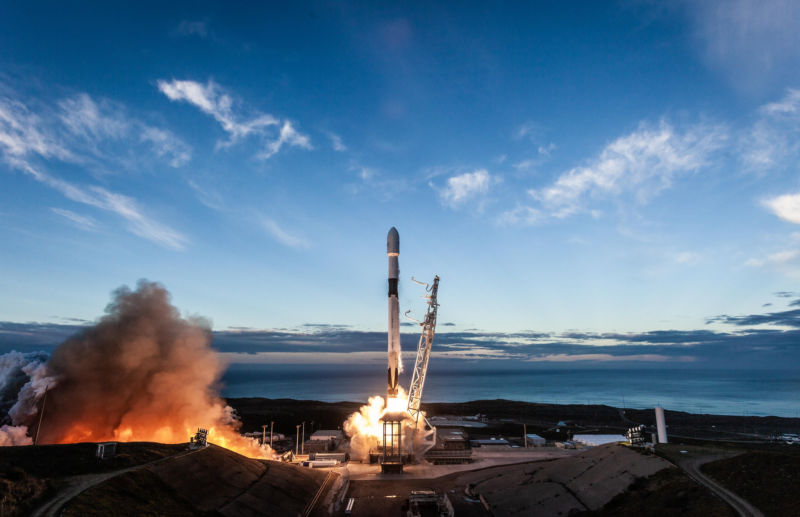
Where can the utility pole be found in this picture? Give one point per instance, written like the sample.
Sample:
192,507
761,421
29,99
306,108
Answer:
270,434
297,445
303,443
525,434
263,434
41,415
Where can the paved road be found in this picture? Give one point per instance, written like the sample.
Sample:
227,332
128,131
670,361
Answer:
692,467
75,485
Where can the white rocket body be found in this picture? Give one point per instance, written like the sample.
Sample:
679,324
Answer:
393,252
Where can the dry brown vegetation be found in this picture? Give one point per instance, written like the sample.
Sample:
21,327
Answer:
767,480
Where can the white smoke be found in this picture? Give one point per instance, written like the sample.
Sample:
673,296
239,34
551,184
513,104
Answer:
23,380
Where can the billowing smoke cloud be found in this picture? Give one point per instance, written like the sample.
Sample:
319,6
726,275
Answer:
142,373
365,427
22,379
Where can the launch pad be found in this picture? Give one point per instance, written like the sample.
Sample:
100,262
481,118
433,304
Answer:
393,457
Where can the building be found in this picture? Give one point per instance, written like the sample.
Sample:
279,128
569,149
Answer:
534,440
499,443
324,440
592,440
326,434
453,439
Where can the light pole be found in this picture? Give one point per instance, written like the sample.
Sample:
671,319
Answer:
303,443
263,434
297,445
270,434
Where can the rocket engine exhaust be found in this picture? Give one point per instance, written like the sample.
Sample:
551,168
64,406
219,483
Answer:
393,252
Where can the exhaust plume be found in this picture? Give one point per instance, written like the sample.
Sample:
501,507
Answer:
365,427
142,373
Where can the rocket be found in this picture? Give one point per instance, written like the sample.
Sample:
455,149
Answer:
393,252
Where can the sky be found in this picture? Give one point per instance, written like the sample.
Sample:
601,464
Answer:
614,175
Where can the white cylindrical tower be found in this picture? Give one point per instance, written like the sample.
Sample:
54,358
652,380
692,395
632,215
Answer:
661,425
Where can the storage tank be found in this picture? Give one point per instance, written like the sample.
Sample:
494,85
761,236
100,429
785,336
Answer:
661,425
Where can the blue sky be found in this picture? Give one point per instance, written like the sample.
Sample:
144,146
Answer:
609,169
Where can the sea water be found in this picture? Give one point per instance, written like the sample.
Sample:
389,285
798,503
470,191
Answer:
722,392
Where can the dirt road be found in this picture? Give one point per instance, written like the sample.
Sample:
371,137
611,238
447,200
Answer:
75,485
692,467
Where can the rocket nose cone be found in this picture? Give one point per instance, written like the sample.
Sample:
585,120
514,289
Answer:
393,241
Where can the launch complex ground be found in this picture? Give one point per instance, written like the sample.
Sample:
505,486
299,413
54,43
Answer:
740,453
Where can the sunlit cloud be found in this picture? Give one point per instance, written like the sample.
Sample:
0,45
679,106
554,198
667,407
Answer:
642,163
787,207
212,100
464,187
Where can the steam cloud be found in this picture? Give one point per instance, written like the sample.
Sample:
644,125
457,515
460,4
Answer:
141,373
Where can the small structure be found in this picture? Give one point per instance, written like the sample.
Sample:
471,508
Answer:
321,464
341,457
199,440
429,502
593,440
534,440
106,450
567,444
637,436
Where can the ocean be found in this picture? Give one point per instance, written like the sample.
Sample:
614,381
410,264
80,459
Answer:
722,392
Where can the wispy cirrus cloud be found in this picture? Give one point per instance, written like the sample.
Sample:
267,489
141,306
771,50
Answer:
22,134
165,144
214,101
81,221
773,142
336,142
282,235
521,215
287,136
27,139
197,28
92,121
92,124
754,42
641,164
789,106
126,207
